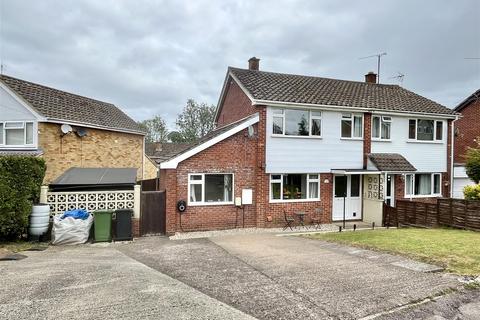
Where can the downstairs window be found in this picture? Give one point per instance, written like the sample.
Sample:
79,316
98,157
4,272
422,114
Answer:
210,188
423,184
290,187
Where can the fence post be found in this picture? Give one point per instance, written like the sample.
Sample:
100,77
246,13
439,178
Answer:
465,214
43,194
136,201
451,212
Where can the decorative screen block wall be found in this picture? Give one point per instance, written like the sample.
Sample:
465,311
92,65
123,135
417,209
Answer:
90,200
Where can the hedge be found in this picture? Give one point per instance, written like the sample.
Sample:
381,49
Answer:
20,182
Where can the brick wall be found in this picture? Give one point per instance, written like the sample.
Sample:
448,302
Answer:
236,105
100,148
468,129
367,137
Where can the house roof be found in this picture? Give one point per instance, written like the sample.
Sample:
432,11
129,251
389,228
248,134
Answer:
159,152
474,96
57,105
83,177
264,87
391,162
209,140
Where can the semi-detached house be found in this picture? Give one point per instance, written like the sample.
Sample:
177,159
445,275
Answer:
285,143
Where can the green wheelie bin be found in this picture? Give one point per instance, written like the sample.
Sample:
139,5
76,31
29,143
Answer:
102,225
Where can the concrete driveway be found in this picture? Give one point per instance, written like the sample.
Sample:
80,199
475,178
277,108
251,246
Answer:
234,277
273,277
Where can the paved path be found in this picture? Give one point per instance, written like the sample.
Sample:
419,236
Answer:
273,277
88,282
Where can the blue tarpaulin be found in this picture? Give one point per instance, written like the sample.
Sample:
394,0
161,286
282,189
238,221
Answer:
76,214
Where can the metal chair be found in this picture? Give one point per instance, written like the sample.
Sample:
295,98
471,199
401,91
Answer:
288,221
317,218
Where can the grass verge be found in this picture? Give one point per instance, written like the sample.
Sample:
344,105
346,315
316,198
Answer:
458,251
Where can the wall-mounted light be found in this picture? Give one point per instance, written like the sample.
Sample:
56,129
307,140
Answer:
326,181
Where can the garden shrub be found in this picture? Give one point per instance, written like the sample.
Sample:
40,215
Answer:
20,182
472,192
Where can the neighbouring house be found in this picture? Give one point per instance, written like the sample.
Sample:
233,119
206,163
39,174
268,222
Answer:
467,133
286,143
95,153
95,134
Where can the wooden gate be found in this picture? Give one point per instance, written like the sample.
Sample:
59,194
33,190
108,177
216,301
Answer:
153,213
390,216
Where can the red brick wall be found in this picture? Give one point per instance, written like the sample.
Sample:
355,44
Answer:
468,129
367,137
237,155
236,105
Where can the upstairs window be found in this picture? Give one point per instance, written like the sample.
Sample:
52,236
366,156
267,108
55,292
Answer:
425,130
352,125
16,134
381,127
294,122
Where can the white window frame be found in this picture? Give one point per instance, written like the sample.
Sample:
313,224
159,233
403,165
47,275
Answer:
435,140
311,117
351,116
281,200
23,126
202,183
382,119
412,185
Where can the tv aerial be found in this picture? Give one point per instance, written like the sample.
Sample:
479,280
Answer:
379,57
399,78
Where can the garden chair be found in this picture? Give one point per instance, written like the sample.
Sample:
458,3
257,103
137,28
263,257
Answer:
317,218
288,221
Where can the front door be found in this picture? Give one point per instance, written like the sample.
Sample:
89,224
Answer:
390,192
347,199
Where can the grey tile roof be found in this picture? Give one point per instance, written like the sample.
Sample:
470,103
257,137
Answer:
160,152
60,105
391,162
13,152
291,88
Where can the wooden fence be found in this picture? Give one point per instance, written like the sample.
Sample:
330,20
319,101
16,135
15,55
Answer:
150,184
153,213
457,213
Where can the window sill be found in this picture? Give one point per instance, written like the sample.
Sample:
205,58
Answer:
381,140
295,137
423,196
25,147
425,141
294,201
200,204
352,139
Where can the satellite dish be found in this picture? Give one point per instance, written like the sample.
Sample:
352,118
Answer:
251,131
81,132
66,128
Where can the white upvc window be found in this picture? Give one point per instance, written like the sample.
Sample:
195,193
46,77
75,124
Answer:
210,188
423,185
381,127
297,122
294,187
352,126
425,130
17,134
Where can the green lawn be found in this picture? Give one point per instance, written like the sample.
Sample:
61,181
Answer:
458,251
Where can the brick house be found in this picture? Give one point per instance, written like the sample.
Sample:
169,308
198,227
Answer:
95,134
467,132
331,148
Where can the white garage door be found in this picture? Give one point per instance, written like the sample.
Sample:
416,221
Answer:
460,180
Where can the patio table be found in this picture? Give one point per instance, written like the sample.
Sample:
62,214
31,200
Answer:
301,218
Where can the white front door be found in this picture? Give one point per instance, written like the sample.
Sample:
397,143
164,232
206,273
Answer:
390,192
347,191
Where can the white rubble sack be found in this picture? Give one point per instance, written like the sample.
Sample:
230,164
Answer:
70,231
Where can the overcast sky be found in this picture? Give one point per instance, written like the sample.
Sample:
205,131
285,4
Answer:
149,57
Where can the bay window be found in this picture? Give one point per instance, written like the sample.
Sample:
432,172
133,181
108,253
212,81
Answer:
210,188
291,187
16,134
381,127
425,130
296,122
352,125
423,184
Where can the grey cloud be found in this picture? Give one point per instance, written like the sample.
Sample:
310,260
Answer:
149,57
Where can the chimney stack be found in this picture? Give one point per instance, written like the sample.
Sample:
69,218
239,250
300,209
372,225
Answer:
253,63
371,77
